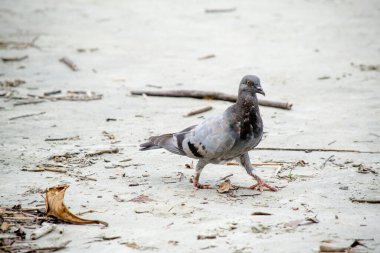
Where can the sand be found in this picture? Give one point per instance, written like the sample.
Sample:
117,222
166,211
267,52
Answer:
305,52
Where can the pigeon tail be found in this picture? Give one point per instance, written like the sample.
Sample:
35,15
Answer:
148,146
165,141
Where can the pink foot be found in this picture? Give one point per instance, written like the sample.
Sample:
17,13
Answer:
197,185
261,185
202,186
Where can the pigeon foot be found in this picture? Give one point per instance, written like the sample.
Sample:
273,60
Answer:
202,186
197,185
261,185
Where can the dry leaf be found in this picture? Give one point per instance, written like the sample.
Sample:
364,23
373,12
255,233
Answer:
225,186
56,207
5,226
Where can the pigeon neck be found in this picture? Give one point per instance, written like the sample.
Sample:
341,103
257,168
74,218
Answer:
247,102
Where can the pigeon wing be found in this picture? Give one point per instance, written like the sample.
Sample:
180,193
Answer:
211,139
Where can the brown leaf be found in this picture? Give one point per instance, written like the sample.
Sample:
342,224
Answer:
56,207
5,226
225,186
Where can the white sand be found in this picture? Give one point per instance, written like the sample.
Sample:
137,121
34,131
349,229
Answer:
289,44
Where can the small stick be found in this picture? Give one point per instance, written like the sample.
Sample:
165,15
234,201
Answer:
309,150
257,164
370,201
198,111
63,139
154,86
108,135
209,56
327,160
69,63
83,177
89,211
105,151
220,10
54,92
28,102
51,169
209,95
44,230
278,170
224,178
27,115
8,59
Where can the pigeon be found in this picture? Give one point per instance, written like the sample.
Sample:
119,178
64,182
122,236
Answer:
221,138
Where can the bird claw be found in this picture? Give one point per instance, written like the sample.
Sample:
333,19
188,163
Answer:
261,185
197,185
202,186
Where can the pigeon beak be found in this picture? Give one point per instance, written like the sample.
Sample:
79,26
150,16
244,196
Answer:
260,90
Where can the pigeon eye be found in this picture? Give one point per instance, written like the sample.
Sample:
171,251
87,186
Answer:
249,83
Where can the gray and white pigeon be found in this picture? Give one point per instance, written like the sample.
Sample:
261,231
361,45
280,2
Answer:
223,137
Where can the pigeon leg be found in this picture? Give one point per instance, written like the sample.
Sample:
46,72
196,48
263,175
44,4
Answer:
246,163
198,169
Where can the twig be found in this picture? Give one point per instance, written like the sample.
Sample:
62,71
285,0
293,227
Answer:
220,10
54,92
327,160
8,59
63,139
74,96
209,56
370,201
154,86
209,95
277,172
28,102
258,164
108,135
89,211
204,237
51,169
27,115
20,45
105,151
83,177
69,63
224,178
39,232
309,150
198,111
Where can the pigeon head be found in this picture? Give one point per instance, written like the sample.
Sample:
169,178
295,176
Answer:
251,83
